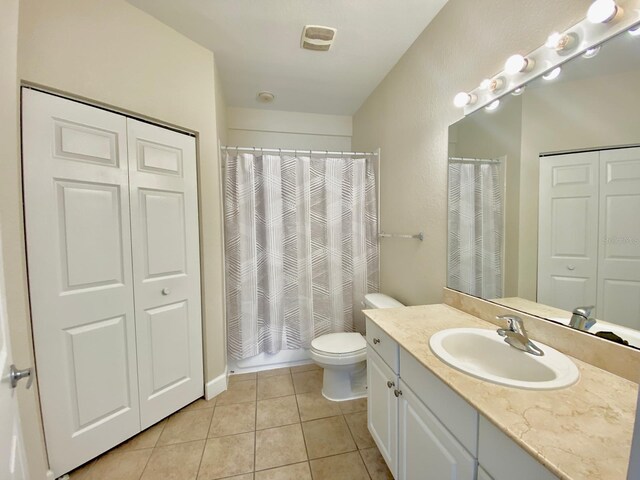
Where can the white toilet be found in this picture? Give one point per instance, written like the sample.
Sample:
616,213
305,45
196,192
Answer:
342,356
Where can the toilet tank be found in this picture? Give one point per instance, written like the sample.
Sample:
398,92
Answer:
380,300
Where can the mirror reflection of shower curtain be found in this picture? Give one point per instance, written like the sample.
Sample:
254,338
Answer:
301,248
475,243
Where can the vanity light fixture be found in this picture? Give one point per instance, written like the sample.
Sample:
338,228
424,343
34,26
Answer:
518,91
603,11
463,99
553,74
562,42
635,31
485,84
591,52
492,106
518,64
496,84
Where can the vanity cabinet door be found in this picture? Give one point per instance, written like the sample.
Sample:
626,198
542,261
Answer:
426,448
483,475
382,408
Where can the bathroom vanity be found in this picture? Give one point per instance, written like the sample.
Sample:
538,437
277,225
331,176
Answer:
430,420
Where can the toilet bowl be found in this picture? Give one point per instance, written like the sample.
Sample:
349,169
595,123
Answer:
342,356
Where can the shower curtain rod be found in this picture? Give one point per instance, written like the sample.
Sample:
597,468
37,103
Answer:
472,160
285,150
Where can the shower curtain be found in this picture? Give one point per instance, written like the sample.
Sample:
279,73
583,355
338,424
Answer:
301,248
475,228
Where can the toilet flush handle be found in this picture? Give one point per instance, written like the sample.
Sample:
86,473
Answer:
376,341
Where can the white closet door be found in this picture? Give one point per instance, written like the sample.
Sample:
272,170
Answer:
78,245
619,258
568,230
164,219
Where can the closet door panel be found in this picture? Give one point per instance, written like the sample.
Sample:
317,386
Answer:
619,259
164,212
80,277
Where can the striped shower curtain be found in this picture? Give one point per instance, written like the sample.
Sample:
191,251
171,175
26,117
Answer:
301,248
475,263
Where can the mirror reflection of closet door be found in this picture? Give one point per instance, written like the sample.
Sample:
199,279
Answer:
619,259
568,230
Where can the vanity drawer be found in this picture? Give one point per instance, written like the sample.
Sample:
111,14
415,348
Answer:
451,409
503,459
383,344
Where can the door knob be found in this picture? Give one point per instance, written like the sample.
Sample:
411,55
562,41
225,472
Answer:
390,384
397,392
166,291
16,375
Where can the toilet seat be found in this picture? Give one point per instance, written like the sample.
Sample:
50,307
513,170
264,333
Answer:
339,348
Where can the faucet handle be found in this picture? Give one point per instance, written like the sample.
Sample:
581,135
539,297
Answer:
584,311
515,323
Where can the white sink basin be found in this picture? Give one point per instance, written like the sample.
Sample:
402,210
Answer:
484,354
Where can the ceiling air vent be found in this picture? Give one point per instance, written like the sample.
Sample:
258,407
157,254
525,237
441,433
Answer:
316,37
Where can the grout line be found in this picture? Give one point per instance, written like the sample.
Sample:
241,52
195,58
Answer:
304,439
255,433
365,464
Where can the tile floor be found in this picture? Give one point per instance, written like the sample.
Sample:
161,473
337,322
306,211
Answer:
274,425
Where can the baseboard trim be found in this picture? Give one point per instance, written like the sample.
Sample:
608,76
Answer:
216,386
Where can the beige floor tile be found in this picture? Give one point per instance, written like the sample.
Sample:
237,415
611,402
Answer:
279,446
274,372
314,405
186,427
271,387
199,404
145,439
227,456
308,382
298,471
305,368
275,412
352,406
376,466
119,465
82,472
246,476
241,377
233,419
359,430
327,436
348,466
238,392
175,462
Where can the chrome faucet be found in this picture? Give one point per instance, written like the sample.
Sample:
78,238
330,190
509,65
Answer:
516,335
582,319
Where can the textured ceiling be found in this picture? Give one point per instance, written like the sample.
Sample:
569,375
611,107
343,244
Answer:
257,46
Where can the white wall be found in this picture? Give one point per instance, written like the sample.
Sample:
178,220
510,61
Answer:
252,127
112,53
409,113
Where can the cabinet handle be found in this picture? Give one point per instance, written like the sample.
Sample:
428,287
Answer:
390,384
397,392
571,267
166,291
376,341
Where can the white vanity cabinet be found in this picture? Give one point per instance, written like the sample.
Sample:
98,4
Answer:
426,448
425,430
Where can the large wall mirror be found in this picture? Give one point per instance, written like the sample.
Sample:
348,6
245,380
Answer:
544,195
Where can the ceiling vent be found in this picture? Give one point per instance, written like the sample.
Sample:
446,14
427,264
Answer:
318,38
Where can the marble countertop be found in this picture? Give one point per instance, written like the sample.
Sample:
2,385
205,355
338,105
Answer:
583,431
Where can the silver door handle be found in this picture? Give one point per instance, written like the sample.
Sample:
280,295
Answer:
390,384
16,375
166,291
397,392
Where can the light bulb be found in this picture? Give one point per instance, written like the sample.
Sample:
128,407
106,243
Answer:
485,84
517,64
463,99
602,11
591,52
553,74
492,106
518,91
560,41
635,31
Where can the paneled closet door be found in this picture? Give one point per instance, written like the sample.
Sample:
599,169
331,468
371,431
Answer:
78,244
619,256
164,219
